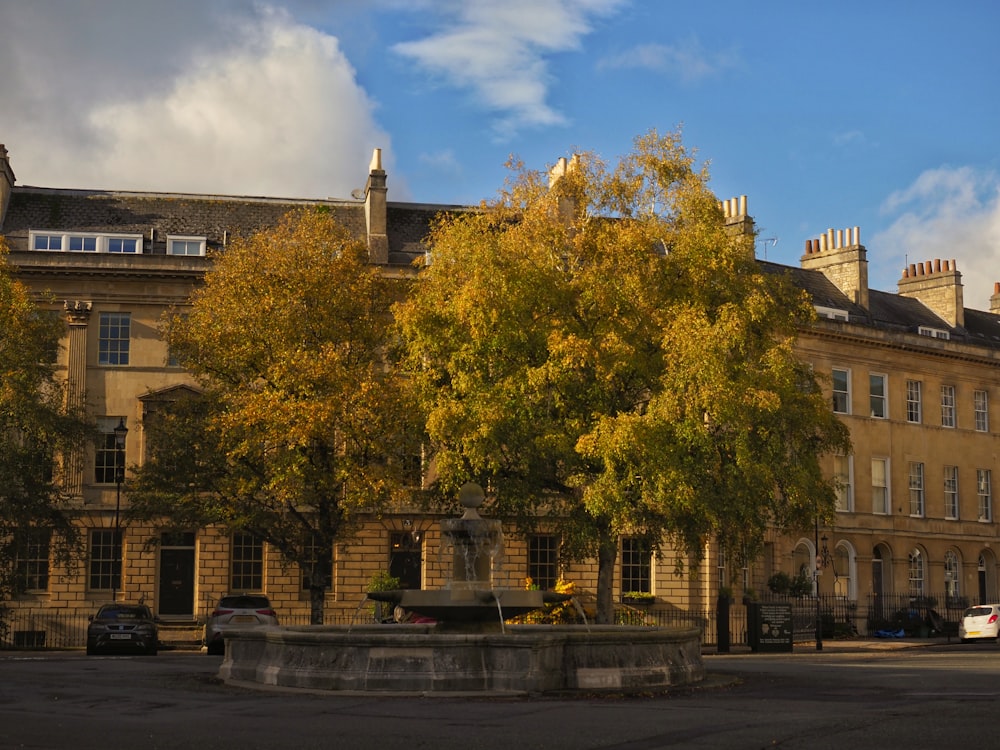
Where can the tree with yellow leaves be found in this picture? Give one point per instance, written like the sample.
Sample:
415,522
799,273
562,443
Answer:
39,436
302,428
598,348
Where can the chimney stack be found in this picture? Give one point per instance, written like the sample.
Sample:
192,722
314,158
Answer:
938,285
375,211
734,212
995,299
6,182
563,168
840,256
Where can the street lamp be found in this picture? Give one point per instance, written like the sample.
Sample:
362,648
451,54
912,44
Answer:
120,432
822,557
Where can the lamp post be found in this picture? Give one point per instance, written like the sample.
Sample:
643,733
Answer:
120,433
821,559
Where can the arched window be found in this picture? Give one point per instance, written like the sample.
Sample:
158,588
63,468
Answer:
845,570
952,576
916,572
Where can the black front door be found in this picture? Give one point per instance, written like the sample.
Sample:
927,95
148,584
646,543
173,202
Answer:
176,589
404,559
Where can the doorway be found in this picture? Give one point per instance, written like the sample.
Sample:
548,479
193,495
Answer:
177,570
404,559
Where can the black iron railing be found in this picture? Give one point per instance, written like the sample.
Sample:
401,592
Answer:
928,615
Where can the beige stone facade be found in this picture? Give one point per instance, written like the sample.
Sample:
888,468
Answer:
891,536
914,377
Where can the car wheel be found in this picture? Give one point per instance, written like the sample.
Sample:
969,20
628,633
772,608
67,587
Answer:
151,651
91,650
216,649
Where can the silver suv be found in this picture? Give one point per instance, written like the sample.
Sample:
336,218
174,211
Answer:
237,611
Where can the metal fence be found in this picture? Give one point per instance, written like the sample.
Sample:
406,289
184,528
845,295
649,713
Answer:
45,629
28,629
840,618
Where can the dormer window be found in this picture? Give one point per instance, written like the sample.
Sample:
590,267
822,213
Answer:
181,245
832,313
82,244
123,244
76,242
934,333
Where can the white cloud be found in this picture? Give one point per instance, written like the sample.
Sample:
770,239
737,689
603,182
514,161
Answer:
951,214
849,138
229,100
687,61
443,161
498,50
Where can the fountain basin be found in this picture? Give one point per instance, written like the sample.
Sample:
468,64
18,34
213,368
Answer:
415,659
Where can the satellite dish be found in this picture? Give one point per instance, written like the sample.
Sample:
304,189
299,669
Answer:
358,194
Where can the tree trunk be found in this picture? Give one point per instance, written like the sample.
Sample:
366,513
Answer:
317,598
606,556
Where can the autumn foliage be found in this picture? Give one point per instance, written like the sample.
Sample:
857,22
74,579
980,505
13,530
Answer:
599,347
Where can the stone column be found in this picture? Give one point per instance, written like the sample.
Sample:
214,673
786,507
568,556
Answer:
77,316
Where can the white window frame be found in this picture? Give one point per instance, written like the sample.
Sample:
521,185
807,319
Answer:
917,572
109,460
844,394
951,502
832,313
952,576
111,347
984,494
884,486
981,406
948,406
883,399
916,485
843,473
102,241
934,333
90,243
913,401
187,240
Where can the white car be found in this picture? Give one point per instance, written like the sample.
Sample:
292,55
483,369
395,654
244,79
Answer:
237,611
980,622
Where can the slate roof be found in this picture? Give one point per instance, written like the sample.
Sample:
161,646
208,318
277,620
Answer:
219,218
892,313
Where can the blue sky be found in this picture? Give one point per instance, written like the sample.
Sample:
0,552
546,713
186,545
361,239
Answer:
881,114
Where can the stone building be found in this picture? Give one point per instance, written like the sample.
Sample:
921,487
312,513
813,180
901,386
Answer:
913,374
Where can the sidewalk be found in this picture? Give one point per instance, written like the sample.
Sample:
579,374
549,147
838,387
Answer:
840,645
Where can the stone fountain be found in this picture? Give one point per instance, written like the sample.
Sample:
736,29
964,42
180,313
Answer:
470,602
469,648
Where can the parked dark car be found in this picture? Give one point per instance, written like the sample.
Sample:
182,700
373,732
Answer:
237,611
121,627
